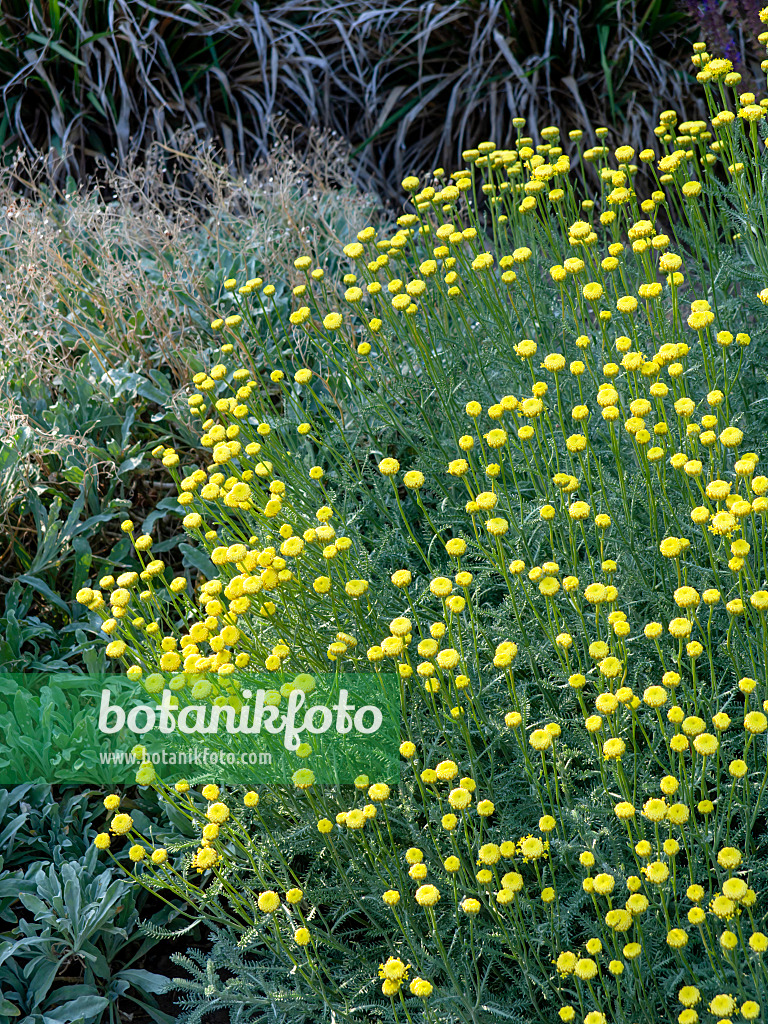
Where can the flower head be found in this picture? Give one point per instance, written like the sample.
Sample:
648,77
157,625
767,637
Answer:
427,895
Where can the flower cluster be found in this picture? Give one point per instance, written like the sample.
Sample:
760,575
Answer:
561,555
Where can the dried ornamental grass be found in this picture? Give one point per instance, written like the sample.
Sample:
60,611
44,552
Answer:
408,85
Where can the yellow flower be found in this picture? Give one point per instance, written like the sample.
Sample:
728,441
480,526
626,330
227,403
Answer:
655,696
446,770
413,480
611,667
394,969
512,881
217,813
532,848
604,884
706,744
656,872
484,261
680,628
677,938
459,799
618,920
496,438
389,467
427,895
565,964
655,809
585,968
735,888
614,748
731,437
755,722
669,785
379,792
356,588
637,903
497,526
671,547
579,510
304,778
120,824
723,907
595,593
723,1005
268,901
421,988
332,321
686,597
689,996
540,739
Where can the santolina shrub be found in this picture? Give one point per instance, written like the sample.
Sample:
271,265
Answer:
509,462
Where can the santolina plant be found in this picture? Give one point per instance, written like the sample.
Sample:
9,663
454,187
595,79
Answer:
509,462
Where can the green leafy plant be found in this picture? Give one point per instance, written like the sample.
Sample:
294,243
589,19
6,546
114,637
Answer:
71,945
82,917
50,732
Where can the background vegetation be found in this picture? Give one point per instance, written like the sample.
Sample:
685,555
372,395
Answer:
408,85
